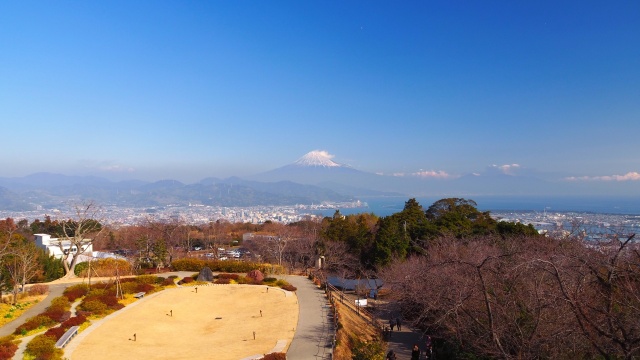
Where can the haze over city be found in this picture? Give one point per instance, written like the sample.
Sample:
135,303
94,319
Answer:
433,90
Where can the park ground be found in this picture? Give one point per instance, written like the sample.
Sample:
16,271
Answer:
218,320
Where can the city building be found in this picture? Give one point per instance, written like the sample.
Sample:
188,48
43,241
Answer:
60,247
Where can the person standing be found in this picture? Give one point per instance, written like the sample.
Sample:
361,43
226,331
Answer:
391,355
429,347
415,352
398,324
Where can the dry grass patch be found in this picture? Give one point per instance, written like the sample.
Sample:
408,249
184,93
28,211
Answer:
353,331
10,312
217,322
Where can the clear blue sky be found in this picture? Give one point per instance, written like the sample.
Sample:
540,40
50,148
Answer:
191,89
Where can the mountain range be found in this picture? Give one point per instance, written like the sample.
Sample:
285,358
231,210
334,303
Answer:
314,178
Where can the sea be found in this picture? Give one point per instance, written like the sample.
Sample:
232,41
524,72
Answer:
622,205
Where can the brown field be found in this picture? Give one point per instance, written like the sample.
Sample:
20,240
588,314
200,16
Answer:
193,332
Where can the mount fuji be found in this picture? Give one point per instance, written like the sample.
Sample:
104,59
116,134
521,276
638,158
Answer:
317,168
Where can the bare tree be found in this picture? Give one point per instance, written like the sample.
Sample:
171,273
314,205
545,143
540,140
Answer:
21,265
78,235
601,286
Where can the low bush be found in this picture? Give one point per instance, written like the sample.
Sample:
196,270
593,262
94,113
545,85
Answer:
38,289
188,264
43,347
129,287
76,291
145,288
228,276
34,323
56,332
93,306
222,281
104,267
168,282
269,280
275,356
289,287
146,279
173,276
60,303
74,321
57,315
7,348
244,280
230,266
186,280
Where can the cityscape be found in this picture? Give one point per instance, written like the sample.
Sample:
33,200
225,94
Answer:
591,225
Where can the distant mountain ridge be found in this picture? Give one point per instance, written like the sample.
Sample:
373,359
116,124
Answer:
314,178
50,190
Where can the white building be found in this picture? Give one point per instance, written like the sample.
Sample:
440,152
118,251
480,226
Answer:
60,247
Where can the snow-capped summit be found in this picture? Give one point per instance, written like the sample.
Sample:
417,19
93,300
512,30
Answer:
317,158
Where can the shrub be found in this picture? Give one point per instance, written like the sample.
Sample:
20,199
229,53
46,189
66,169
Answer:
168,282
60,303
188,264
244,280
186,280
93,306
222,281
104,267
34,323
38,289
76,291
146,279
270,280
173,276
76,320
56,332
229,276
159,280
145,288
275,356
7,348
289,287
43,347
57,315
129,287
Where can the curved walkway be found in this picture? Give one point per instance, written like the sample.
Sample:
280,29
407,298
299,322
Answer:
54,291
314,334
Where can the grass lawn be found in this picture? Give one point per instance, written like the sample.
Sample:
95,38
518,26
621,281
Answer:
10,312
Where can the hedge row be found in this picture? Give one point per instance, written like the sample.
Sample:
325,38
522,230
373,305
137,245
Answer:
7,348
56,313
230,266
43,347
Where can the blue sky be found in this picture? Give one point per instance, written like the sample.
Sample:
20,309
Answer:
186,90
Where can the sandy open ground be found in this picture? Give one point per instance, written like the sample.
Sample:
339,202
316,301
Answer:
217,322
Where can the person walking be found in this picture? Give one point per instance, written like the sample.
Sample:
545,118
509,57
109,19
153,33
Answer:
415,352
428,352
391,355
392,324
398,324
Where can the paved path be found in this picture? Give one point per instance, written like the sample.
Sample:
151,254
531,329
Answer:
314,335
54,291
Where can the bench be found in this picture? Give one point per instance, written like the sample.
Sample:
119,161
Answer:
66,337
139,295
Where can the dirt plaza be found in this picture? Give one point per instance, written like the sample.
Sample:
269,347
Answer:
205,322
